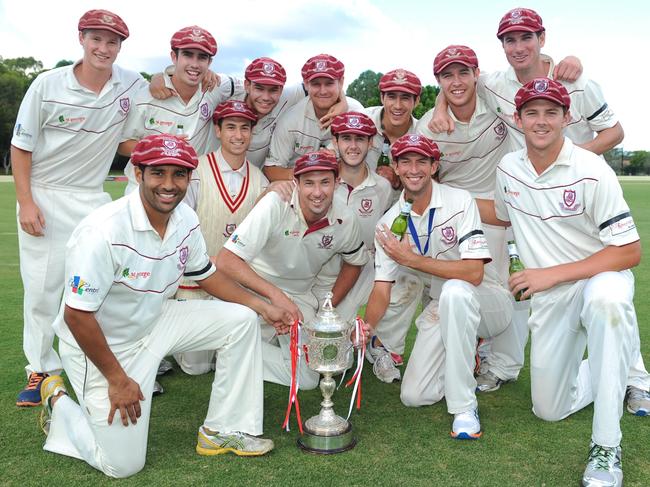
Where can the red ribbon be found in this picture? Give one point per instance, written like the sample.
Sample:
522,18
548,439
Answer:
356,377
294,348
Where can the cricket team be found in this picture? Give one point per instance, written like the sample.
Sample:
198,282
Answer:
249,201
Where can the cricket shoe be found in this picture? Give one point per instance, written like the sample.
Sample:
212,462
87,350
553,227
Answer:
213,443
158,389
466,426
31,394
638,401
488,382
49,388
164,367
382,362
603,467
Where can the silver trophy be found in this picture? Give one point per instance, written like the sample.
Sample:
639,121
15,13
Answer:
329,351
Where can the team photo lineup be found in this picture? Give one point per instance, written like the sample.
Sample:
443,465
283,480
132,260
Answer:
255,208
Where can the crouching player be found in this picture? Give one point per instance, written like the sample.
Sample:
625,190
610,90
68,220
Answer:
124,261
444,243
576,237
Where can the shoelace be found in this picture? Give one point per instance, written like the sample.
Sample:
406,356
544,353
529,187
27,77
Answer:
34,380
602,457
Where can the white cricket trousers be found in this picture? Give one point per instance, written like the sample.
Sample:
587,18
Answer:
42,261
236,401
595,313
442,361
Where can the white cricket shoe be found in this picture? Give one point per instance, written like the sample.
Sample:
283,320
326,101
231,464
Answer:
638,401
242,444
466,426
603,467
382,362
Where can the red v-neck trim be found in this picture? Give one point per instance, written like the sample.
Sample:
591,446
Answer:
314,227
232,204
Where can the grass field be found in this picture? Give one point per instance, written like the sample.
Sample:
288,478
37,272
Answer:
397,445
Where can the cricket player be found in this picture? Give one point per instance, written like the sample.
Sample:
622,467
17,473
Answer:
67,130
469,158
189,112
444,243
225,188
399,92
280,247
300,131
366,193
123,263
578,241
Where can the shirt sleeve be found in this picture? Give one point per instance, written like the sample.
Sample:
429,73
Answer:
134,127
198,266
595,109
354,251
471,238
251,235
230,88
354,105
29,120
611,213
282,143
89,273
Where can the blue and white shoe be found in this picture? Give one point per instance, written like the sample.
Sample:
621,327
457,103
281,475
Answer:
466,426
638,401
31,395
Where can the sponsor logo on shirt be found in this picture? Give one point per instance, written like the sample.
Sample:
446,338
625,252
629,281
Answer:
622,226
448,235
237,241
292,233
230,227
366,207
477,243
159,123
511,193
21,132
303,148
326,242
569,202
128,274
67,120
79,286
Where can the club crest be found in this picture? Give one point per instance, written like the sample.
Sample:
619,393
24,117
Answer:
321,65
366,207
400,76
353,122
107,19
125,104
569,197
170,148
453,52
239,106
500,129
326,242
540,85
183,254
205,111
268,68
414,139
448,234
230,227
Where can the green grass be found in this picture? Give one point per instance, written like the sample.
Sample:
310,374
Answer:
397,445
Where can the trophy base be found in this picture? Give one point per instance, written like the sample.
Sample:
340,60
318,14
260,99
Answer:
326,445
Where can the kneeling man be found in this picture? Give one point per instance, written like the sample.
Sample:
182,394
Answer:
124,261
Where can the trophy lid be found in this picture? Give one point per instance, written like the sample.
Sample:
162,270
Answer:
327,319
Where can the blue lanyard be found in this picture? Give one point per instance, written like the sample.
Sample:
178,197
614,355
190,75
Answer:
414,233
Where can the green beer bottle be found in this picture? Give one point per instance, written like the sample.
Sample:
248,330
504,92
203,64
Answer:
515,266
383,158
180,130
401,222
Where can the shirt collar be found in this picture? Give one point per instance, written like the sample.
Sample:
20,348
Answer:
329,218
73,82
224,167
434,202
370,179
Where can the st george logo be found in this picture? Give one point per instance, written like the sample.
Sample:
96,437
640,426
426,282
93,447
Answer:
205,111
326,242
183,253
125,104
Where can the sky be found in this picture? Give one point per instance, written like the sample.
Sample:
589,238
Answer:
611,40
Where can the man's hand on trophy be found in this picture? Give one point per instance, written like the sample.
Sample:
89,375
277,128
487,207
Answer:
364,334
